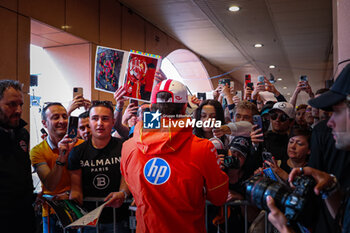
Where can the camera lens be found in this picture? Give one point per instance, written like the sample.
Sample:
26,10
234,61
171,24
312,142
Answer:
231,162
258,188
291,202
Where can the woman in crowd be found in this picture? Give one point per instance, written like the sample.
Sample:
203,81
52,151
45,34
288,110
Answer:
298,152
209,109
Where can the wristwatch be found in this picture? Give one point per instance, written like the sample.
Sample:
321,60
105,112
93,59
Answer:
332,188
125,193
59,163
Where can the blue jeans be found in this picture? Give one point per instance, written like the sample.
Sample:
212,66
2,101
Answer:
55,226
121,227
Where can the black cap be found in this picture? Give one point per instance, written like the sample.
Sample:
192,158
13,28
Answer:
240,144
337,93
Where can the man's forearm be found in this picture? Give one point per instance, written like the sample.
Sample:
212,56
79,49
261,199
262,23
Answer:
122,129
123,186
333,203
52,179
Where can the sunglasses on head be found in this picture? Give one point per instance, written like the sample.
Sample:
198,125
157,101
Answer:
283,117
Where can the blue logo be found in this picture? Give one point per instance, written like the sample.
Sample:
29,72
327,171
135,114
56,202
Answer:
151,120
157,171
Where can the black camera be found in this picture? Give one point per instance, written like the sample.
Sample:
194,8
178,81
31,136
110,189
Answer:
231,162
291,202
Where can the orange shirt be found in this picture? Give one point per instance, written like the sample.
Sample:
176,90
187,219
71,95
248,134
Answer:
42,153
171,174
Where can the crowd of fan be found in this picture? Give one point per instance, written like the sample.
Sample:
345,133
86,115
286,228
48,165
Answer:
295,136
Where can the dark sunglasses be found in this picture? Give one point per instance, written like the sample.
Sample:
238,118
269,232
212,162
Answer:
283,117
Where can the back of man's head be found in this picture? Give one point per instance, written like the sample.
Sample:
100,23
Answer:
169,97
5,84
84,115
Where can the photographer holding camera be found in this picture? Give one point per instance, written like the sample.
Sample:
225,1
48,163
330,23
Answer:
337,99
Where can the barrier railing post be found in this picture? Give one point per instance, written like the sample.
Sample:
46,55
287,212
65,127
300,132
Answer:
245,219
266,221
226,218
206,216
114,222
98,224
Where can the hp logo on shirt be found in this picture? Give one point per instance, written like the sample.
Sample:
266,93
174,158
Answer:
157,171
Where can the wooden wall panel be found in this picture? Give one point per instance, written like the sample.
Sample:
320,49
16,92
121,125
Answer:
94,93
23,68
8,44
10,4
156,40
49,12
172,45
133,31
110,24
82,17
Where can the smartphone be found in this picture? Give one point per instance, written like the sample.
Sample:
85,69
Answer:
267,156
304,79
72,130
239,94
232,84
202,96
247,79
268,172
135,102
257,121
261,80
77,91
272,79
43,131
224,81
250,85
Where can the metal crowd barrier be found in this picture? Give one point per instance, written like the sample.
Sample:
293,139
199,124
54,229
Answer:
235,204
132,218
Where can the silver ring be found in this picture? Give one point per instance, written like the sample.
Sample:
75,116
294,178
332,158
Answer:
301,170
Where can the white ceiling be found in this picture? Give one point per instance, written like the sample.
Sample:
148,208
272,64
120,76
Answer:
297,35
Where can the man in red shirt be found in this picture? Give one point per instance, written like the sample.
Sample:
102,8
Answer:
169,171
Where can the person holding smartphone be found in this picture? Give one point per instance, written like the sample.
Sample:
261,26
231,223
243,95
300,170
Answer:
327,185
94,168
49,159
303,85
298,151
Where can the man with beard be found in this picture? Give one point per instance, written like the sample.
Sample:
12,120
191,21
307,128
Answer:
16,195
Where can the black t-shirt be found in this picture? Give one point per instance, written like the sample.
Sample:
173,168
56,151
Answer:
325,157
100,173
16,184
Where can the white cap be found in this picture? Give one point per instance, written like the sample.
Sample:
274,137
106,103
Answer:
285,107
177,90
